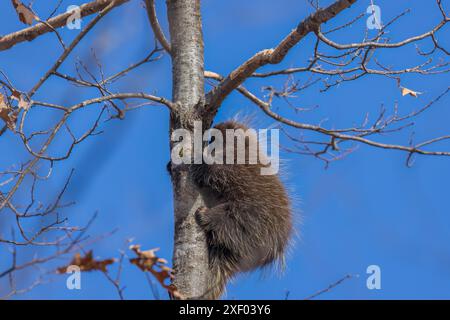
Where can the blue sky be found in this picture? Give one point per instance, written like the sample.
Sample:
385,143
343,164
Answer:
368,208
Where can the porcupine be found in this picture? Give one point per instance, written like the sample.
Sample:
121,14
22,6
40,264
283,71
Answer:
249,224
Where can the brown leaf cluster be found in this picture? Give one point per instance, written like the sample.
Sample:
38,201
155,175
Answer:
9,114
88,263
148,261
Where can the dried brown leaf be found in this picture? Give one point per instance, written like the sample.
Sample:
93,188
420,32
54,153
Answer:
25,14
406,91
88,263
7,114
148,261
23,104
15,95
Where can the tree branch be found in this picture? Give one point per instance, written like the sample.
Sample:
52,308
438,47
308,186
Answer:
190,255
340,135
272,56
373,44
31,33
72,46
159,34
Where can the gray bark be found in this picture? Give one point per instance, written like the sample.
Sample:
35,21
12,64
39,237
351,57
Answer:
190,256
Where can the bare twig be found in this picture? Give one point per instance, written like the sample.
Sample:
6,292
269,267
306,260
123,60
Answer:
273,56
159,34
331,286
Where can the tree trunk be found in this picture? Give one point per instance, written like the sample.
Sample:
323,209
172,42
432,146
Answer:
190,256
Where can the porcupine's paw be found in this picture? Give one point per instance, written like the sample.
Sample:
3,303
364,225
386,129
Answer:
201,216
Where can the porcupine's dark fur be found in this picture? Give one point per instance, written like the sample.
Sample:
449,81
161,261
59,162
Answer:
249,223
